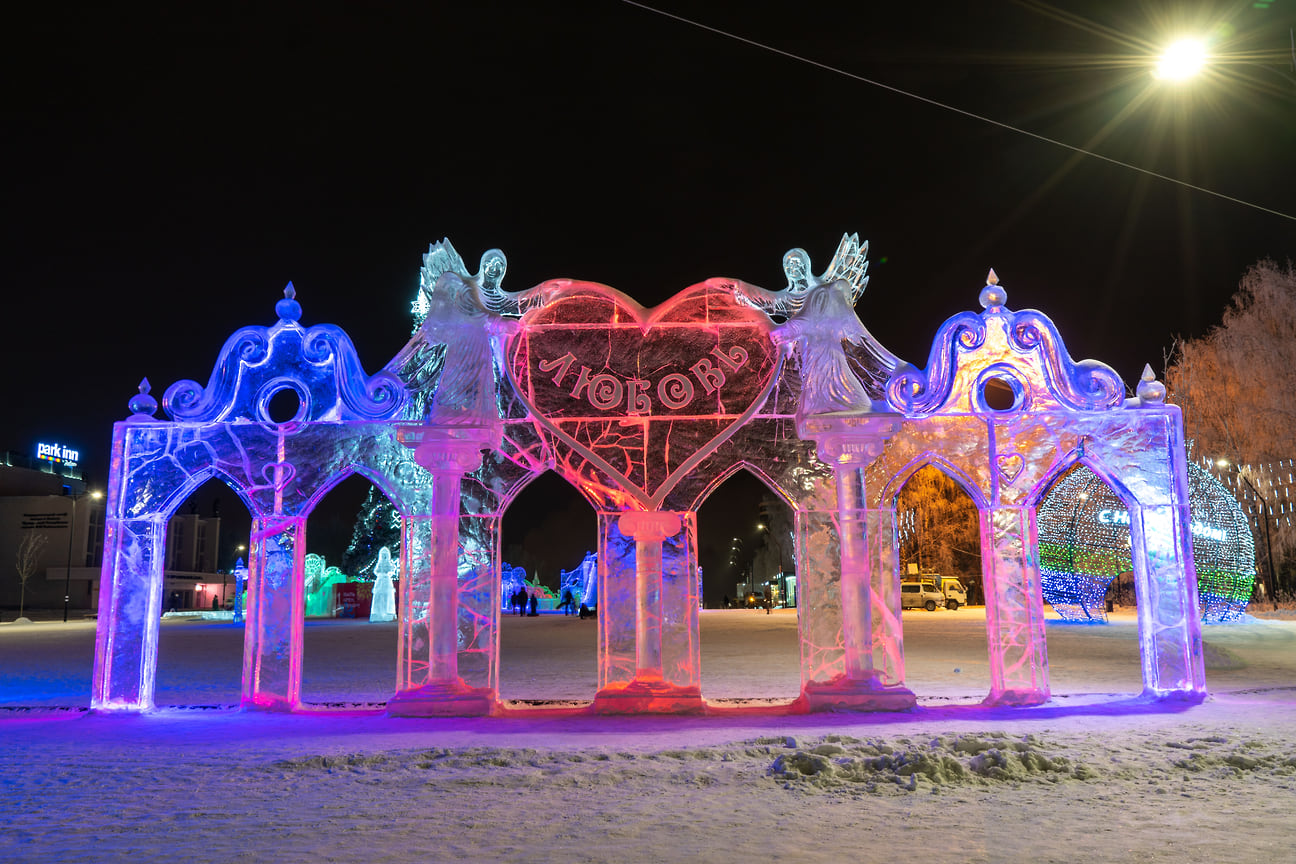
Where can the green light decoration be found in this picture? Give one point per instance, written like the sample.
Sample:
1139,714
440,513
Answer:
1084,546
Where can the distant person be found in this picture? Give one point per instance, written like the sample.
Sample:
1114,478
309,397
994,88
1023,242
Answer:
535,607
725,601
567,603
586,612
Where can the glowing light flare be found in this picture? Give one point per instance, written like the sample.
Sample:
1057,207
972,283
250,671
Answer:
1182,60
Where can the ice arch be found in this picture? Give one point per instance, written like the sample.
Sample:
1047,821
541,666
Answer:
644,412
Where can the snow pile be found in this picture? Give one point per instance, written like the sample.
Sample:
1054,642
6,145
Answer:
877,766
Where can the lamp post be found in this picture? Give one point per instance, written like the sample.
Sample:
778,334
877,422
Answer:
761,526
735,561
225,576
1269,574
67,581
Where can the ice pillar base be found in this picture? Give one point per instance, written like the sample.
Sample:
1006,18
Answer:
849,694
442,699
648,695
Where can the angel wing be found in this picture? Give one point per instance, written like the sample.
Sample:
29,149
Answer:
850,262
440,258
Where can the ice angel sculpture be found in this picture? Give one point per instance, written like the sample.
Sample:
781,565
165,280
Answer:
442,258
824,320
460,319
849,263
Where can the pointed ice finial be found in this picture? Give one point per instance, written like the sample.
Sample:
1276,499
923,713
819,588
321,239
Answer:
142,405
1150,390
992,296
288,309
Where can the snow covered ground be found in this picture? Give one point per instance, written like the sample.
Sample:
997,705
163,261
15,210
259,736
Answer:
1094,775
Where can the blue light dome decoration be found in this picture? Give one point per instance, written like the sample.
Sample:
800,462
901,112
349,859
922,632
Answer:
1084,544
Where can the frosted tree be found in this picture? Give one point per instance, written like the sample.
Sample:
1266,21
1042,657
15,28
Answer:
377,525
27,561
1235,385
938,526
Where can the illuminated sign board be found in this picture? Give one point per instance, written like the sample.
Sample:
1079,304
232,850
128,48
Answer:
1199,529
57,453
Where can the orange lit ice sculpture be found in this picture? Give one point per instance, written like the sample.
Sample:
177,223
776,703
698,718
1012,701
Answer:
646,412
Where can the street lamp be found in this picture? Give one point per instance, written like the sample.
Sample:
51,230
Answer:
761,526
67,581
225,576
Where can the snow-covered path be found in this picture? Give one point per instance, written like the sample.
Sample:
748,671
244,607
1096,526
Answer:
1087,777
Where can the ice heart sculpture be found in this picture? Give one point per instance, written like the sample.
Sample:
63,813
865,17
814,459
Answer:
641,395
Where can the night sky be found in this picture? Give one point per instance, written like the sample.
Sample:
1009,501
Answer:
171,169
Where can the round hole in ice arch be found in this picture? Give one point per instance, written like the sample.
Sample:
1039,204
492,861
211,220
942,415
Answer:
283,405
999,394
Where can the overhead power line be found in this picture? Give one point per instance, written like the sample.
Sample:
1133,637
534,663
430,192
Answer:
947,107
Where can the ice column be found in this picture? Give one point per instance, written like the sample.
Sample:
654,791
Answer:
427,676
272,636
870,594
129,611
650,690
1169,626
1014,607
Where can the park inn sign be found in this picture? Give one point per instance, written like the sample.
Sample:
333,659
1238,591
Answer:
646,412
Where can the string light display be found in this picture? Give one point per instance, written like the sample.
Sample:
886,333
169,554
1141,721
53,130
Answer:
1084,546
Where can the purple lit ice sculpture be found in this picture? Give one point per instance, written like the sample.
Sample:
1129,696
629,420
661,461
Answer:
1004,411
279,468
646,412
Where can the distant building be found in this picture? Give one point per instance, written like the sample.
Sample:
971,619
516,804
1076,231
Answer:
45,497
37,497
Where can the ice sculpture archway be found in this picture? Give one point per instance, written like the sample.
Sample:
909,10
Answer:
645,412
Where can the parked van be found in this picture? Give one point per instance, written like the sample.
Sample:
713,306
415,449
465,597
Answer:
953,594
920,594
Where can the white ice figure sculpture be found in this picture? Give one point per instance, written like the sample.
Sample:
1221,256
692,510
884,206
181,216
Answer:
383,606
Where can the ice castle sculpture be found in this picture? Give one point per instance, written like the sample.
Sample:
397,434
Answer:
582,582
646,412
